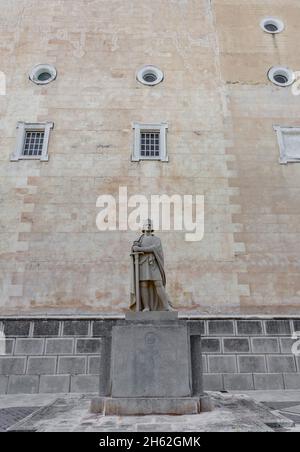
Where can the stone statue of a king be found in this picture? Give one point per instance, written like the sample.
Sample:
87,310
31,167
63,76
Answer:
148,279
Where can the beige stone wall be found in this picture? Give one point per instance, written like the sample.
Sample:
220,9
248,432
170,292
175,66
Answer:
268,193
220,109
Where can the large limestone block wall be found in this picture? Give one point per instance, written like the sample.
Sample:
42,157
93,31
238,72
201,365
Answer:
53,257
267,192
60,355
219,110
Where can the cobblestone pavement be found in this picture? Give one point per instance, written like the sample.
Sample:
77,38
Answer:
238,413
289,410
10,416
70,412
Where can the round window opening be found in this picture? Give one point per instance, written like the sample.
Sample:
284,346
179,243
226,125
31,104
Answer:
150,75
281,76
43,74
272,25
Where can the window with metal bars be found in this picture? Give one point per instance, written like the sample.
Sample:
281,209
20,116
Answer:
150,143
33,143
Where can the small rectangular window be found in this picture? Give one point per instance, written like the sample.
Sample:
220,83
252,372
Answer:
32,141
150,142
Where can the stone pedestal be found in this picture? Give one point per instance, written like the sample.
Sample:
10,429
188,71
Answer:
150,367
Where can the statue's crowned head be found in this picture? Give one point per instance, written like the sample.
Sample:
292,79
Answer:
148,226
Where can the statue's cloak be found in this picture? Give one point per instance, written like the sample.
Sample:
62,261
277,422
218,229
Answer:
155,248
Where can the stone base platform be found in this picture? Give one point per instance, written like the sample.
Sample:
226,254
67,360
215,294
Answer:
109,406
144,406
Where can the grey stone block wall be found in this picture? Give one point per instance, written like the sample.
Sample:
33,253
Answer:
64,355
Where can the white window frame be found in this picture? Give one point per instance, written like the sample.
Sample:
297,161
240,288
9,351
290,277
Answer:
281,131
272,21
162,128
22,128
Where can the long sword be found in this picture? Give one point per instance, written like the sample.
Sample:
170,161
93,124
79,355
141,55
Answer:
137,280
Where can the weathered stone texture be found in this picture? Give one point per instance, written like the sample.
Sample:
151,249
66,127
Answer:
54,384
237,361
24,384
85,383
221,145
72,365
59,346
46,328
29,347
41,366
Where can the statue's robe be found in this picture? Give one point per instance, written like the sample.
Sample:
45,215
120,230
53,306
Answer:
151,268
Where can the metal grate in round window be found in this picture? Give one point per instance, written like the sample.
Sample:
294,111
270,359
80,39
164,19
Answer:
281,76
149,75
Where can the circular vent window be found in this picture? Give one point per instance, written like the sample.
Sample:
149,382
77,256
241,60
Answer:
272,25
149,75
43,74
281,76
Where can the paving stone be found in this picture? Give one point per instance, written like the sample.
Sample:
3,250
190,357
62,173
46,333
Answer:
54,384
252,364
265,345
222,364
238,382
41,366
196,327
102,328
29,347
85,384
210,345
16,328
23,384
72,365
249,327
3,384
220,327
154,428
278,327
76,327
12,366
292,381
236,345
87,346
46,328
281,363
213,382
268,381
233,413
59,346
